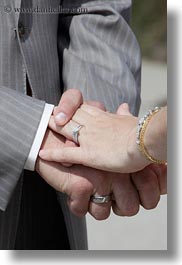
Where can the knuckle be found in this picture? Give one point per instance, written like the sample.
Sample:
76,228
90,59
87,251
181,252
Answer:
100,215
131,209
163,190
83,188
147,183
151,204
100,105
117,211
78,211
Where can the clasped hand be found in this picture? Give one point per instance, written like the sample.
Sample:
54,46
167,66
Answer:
70,169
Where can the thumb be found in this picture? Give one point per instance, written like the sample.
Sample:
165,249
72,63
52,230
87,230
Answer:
68,105
124,110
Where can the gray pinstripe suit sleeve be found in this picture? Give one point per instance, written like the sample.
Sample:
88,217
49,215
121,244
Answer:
19,119
103,58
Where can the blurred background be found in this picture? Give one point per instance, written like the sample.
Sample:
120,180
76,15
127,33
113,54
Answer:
149,22
148,229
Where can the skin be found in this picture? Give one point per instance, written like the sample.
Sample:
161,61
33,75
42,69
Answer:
79,183
108,141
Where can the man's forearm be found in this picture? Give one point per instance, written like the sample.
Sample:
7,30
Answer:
20,116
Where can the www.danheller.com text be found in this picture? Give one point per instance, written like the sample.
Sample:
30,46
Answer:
45,10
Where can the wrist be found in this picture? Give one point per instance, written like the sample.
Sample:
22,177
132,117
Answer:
134,153
152,144
156,142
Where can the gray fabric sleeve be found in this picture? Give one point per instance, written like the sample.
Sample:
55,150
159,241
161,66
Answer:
103,59
20,116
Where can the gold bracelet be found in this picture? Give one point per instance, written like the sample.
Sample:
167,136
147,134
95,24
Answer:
142,125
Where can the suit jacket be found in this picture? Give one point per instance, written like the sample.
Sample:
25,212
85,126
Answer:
95,52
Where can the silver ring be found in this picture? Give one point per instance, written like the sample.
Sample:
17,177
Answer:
76,133
101,199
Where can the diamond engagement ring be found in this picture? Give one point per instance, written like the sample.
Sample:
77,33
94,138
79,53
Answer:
76,133
101,199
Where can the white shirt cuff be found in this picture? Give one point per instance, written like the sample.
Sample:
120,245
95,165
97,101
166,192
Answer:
32,157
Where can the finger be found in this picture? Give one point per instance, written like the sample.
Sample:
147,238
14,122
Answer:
148,187
72,155
69,103
55,175
66,180
161,172
126,197
79,200
66,131
79,207
81,189
92,110
53,126
124,110
69,143
96,104
84,114
163,182
101,211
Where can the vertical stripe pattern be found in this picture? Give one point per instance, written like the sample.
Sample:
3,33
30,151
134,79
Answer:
19,119
101,58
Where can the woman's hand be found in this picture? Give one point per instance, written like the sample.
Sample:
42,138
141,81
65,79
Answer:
107,141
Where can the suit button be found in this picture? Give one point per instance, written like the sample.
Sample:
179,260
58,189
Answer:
21,30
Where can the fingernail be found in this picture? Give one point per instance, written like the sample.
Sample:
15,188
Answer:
60,118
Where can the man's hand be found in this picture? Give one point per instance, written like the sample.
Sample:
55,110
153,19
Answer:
69,103
80,183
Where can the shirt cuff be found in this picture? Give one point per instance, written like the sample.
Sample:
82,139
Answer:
32,157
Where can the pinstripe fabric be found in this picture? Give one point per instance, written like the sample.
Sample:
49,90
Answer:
34,55
102,60
17,112
101,57
9,220
41,38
